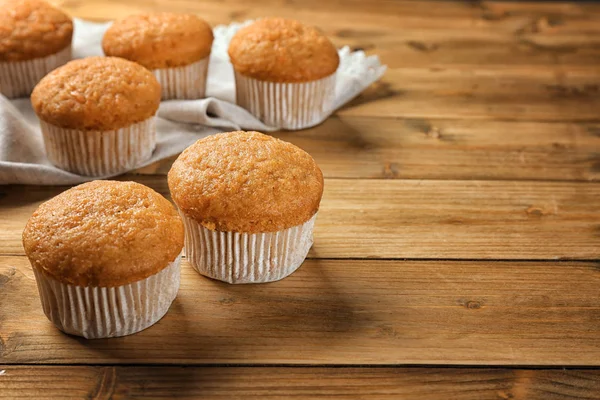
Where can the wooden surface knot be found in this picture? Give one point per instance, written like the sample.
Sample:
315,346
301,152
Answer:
227,301
542,210
390,170
6,276
473,305
422,46
470,304
106,384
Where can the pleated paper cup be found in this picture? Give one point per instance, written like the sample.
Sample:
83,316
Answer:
246,257
103,312
185,83
18,78
99,153
287,105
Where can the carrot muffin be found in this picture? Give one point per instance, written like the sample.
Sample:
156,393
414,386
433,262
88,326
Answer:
176,47
35,38
97,115
248,203
106,257
284,72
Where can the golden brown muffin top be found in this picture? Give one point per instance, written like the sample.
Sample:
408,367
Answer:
246,182
103,234
97,93
159,40
282,50
31,29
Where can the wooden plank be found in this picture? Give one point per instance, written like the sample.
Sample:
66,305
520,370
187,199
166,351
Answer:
340,312
428,52
458,219
510,94
360,147
413,218
20,382
452,49
407,35
457,14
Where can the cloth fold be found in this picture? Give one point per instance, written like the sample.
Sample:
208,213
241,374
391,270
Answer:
179,122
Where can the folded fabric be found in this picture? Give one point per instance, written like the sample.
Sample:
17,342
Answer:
179,122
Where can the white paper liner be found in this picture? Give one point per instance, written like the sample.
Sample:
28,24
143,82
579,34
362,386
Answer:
186,83
103,312
18,78
99,153
244,257
287,105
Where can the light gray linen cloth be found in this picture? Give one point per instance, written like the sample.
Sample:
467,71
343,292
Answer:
179,122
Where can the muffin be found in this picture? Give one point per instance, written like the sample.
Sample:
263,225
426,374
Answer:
97,115
248,203
35,38
284,72
175,47
106,258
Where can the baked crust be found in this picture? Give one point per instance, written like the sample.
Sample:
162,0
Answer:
32,29
159,40
282,50
246,182
103,234
97,93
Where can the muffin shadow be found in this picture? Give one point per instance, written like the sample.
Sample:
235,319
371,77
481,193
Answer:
305,307
212,322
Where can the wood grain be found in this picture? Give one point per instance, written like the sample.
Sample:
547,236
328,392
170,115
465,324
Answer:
451,12
443,64
20,382
436,70
508,94
481,143
340,312
413,218
362,147
480,33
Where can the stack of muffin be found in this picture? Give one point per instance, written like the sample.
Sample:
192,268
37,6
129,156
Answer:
106,254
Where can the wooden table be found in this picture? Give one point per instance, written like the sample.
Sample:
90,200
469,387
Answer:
457,249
